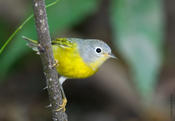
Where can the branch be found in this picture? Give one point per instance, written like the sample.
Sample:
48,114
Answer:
47,59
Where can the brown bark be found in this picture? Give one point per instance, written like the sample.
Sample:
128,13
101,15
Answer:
47,60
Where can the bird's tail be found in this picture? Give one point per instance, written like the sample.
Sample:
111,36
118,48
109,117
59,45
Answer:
32,44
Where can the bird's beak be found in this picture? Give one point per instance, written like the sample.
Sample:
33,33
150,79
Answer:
112,55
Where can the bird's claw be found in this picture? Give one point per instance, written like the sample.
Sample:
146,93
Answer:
63,105
53,65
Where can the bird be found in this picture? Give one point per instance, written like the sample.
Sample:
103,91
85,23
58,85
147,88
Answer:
76,58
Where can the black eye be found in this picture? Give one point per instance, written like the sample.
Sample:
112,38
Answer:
98,50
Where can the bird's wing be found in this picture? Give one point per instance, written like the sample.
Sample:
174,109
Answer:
63,42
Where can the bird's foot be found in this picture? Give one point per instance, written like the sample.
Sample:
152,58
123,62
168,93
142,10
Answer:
63,105
53,65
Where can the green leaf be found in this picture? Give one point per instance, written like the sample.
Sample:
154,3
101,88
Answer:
63,15
138,34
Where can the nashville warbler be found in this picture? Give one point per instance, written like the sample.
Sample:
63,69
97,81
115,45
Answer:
76,58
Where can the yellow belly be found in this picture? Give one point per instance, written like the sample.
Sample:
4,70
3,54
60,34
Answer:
70,64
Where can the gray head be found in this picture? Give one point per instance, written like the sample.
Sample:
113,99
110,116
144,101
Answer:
93,49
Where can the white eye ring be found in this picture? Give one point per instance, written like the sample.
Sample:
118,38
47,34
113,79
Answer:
98,50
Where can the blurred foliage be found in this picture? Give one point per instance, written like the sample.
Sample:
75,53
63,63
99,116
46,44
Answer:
65,14
4,31
138,31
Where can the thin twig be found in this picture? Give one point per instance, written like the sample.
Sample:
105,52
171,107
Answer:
48,60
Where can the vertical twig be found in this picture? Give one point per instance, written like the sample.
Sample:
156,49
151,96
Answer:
47,59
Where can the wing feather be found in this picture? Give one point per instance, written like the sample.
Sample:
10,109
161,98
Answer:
63,42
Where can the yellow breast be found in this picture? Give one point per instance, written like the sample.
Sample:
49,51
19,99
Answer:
70,64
